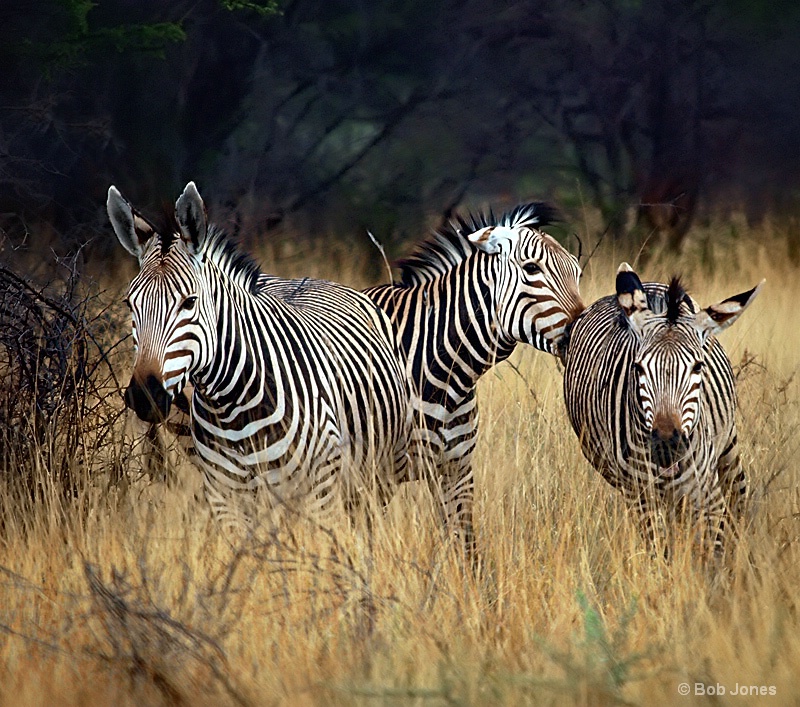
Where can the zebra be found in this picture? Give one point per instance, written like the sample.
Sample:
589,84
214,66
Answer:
296,398
466,297
651,396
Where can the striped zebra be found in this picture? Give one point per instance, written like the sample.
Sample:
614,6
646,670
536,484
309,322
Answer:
467,296
651,395
300,397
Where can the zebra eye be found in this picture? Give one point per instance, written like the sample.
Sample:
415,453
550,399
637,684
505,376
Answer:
697,367
638,368
531,268
189,302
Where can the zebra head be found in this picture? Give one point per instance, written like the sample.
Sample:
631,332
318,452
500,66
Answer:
672,334
537,292
172,317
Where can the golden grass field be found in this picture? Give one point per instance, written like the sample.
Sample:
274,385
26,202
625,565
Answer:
139,600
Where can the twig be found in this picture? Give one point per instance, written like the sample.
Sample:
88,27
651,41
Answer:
377,244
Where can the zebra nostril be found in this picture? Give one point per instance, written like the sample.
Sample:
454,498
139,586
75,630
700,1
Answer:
666,435
669,437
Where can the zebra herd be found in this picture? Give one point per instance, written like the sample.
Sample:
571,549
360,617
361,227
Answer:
308,392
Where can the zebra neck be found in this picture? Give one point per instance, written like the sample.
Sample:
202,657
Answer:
467,339
240,375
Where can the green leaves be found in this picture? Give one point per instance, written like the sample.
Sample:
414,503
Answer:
68,39
264,9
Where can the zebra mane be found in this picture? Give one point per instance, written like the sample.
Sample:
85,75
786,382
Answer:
226,254
448,246
676,294
167,228
220,248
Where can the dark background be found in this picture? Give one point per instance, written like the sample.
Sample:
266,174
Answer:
330,116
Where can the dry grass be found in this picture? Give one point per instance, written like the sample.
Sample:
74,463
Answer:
140,601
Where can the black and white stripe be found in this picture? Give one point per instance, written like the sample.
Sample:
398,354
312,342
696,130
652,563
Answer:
302,397
467,296
650,393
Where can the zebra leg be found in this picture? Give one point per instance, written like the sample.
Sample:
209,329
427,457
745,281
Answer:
732,485
652,526
723,511
367,500
706,517
709,517
456,482
225,510
453,491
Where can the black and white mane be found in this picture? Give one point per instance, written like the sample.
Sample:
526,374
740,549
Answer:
448,246
676,295
223,251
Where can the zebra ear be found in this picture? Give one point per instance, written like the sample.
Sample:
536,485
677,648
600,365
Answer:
192,219
493,239
717,317
133,230
630,294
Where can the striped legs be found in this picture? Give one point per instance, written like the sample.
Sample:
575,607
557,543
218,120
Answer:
443,457
453,491
706,512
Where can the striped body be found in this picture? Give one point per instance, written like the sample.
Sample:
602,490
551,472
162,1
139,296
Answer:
299,396
467,297
650,393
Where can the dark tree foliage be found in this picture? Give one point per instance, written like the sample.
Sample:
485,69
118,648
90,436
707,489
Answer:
343,113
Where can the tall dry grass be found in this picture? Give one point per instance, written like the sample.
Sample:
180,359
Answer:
140,601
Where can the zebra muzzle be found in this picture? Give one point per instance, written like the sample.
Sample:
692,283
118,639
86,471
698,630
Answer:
149,399
666,451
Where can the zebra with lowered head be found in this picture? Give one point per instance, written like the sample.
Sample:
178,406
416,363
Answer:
650,393
295,398
467,296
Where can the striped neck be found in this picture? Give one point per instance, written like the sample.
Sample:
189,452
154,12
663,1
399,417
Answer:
233,375
471,341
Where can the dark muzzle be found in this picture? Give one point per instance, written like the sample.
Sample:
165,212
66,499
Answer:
561,345
667,449
149,399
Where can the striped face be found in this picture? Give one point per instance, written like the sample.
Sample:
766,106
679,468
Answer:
172,314
171,327
669,378
538,291
669,366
